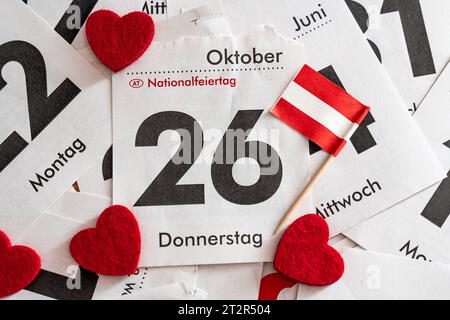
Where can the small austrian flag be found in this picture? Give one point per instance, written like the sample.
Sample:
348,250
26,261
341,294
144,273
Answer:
320,110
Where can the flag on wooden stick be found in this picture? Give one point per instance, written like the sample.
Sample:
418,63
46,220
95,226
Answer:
321,111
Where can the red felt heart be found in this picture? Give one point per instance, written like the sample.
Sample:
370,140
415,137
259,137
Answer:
113,247
118,42
19,266
304,255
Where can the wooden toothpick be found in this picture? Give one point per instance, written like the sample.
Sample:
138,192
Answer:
303,195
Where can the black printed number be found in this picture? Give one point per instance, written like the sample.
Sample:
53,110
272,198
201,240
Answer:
415,33
42,108
265,155
165,190
437,209
362,18
414,30
362,140
107,165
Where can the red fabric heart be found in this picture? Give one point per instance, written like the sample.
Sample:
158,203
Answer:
304,255
19,266
118,42
113,247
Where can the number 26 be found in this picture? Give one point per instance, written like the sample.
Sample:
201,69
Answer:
164,190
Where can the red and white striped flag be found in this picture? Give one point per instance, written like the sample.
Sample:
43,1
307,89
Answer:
320,110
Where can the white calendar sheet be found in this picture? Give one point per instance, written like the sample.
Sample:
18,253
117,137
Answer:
202,21
388,159
419,227
409,38
219,199
55,116
61,278
229,281
68,17
376,276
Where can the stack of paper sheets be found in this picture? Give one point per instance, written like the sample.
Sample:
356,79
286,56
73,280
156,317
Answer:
154,137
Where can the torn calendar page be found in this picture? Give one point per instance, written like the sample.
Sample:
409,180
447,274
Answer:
230,281
55,116
419,227
203,21
68,17
217,199
376,276
200,21
410,40
61,278
388,159
180,6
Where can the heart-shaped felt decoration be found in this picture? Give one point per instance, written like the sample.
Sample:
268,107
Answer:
119,41
303,253
19,266
113,247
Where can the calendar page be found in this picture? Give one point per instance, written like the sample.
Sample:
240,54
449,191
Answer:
419,227
377,276
68,17
407,37
202,21
410,40
60,276
230,281
197,156
387,159
55,116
